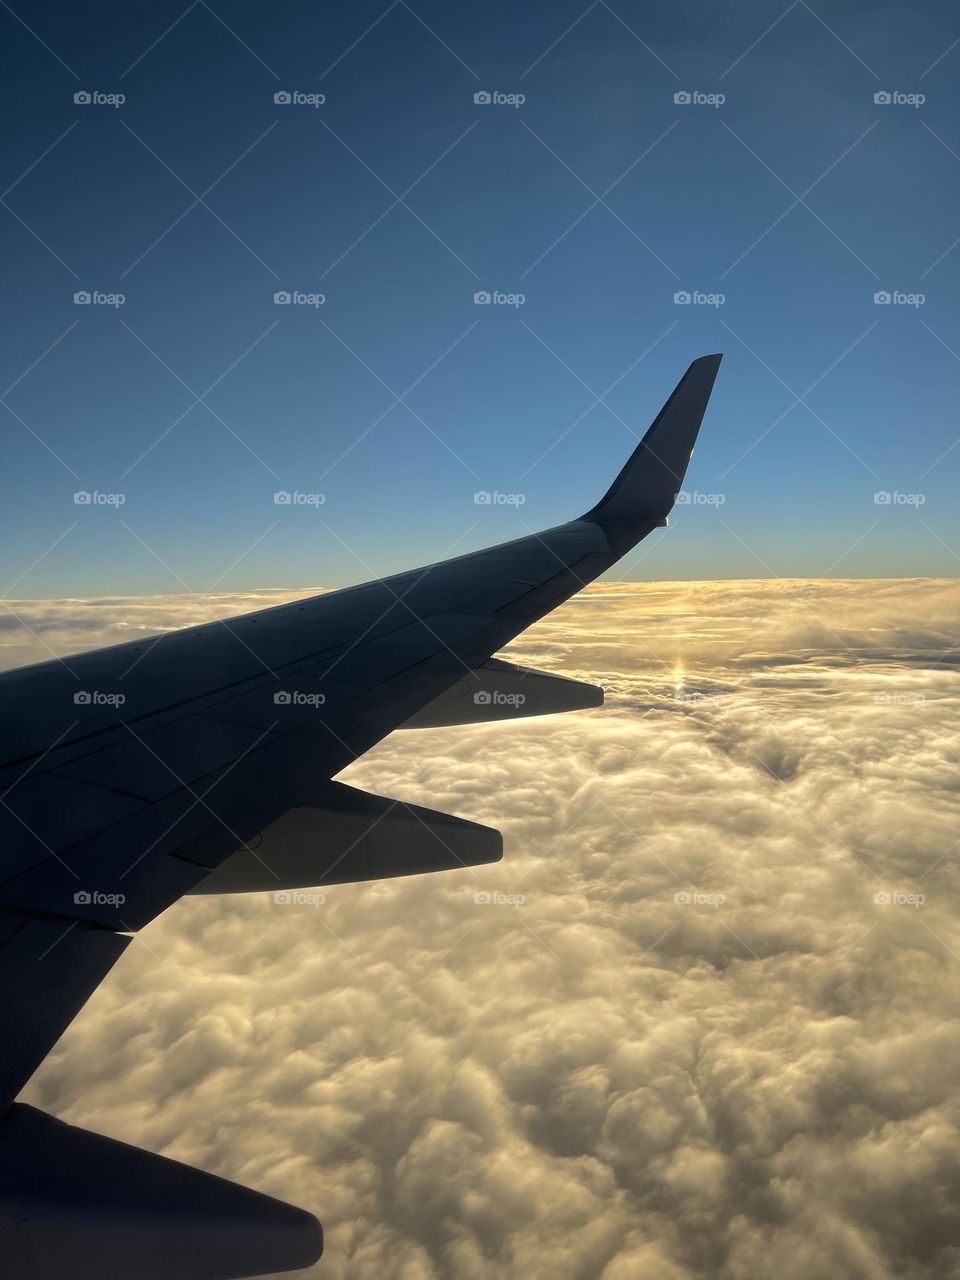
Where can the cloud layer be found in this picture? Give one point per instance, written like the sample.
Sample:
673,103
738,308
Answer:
699,1022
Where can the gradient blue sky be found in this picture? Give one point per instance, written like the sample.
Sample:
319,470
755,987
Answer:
798,199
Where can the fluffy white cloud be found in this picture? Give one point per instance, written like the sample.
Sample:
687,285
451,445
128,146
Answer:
699,1045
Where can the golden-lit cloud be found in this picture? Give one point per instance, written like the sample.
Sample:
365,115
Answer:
699,1021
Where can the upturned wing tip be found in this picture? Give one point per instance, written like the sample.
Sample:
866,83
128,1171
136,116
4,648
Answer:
645,490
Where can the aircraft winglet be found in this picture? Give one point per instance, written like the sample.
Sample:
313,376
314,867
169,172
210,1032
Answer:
646,489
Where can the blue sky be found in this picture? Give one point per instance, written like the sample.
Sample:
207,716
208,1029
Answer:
600,197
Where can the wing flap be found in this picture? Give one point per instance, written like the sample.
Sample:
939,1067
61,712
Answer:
343,835
73,1203
502,691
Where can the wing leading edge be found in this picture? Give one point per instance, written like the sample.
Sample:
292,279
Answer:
108,818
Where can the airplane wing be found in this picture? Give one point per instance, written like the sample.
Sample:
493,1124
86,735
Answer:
203,761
